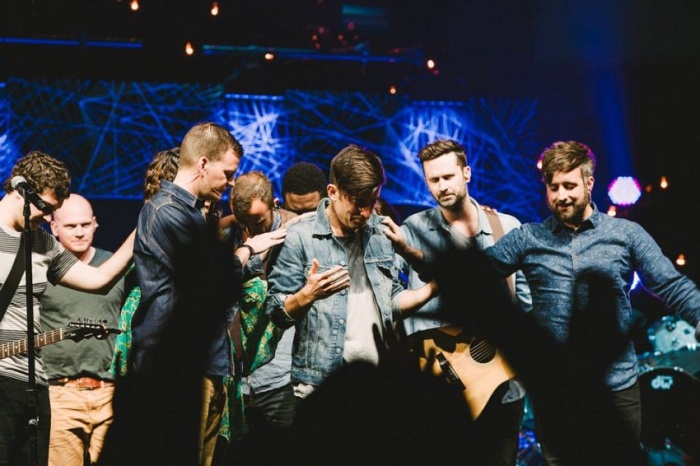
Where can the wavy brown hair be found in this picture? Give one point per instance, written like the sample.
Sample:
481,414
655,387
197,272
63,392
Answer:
163,166
42,172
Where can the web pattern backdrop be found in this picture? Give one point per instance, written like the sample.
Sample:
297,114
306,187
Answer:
107,132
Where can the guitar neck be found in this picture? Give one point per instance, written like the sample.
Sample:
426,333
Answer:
16,347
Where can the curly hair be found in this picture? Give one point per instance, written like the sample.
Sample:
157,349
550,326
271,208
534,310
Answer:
304,178
42,172
163,166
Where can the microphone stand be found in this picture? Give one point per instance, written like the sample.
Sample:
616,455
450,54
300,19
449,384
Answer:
32,398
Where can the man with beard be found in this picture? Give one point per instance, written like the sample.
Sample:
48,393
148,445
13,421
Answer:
459,223
580,265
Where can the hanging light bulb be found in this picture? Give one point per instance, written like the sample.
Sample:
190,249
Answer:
663,183
189,49
134,5
680,260
214,8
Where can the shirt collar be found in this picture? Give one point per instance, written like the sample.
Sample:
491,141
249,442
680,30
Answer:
182,195
590,222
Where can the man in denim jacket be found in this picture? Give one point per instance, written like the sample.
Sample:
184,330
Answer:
335,278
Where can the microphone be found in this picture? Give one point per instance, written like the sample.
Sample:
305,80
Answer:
19,183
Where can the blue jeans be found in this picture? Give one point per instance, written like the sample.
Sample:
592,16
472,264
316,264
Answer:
14,418
273,409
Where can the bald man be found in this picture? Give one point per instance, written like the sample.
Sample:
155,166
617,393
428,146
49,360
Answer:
80,384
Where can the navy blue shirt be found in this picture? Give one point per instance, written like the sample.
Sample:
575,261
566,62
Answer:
553,257
189,280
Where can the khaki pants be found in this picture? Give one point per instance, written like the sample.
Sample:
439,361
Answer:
79,423
213,403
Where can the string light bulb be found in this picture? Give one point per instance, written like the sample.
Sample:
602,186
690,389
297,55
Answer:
189,49
680,260
134,5
663,183
214,8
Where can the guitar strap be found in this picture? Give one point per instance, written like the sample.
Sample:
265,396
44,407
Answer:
10,285
497,234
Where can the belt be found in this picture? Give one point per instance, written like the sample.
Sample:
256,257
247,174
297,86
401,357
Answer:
82,383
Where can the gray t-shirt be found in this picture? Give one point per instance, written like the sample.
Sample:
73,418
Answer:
60,306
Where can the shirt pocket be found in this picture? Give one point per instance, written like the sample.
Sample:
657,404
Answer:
382,271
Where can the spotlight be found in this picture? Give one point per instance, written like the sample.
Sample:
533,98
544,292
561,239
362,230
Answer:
624,191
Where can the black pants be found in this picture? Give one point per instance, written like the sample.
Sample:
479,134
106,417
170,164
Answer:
268,417
15,414
583,428
273,409
495,434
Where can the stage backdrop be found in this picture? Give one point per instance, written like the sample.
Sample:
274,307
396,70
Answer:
108,131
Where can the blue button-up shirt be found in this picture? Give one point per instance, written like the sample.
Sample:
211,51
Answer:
553,256
188,281
429,231
320,338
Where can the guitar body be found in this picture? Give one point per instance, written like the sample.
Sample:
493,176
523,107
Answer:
472,364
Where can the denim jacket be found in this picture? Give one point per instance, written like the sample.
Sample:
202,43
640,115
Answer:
320,336
181,270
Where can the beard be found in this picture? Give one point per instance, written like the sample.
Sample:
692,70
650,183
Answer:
573,215
452,202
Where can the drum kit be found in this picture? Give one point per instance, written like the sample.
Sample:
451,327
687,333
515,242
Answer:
670,389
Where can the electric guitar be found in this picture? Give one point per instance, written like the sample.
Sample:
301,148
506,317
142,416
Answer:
75,331
472,364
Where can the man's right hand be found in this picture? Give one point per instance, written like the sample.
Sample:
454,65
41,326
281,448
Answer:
324,284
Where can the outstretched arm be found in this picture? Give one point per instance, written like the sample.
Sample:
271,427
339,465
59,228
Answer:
259,243
412,300
100,279
412,255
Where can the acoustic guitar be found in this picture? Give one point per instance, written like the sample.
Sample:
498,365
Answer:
472,364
